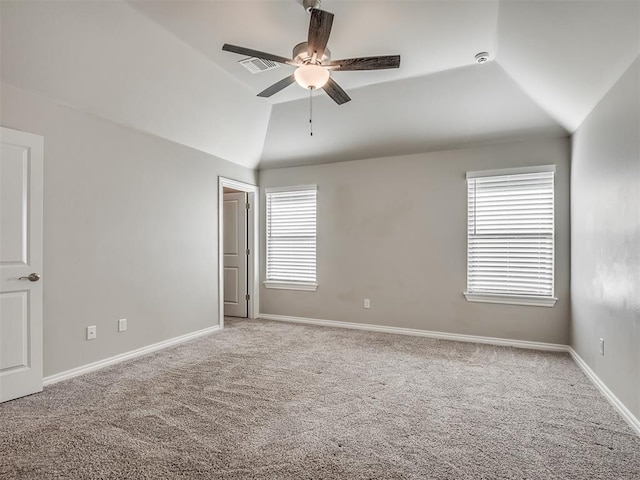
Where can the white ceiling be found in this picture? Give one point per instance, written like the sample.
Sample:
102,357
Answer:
455,107
567,55
157,66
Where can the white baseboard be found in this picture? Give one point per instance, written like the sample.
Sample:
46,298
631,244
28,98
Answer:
633,422
74,372
624,412
457,337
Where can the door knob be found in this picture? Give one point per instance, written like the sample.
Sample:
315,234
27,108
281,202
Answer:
34,277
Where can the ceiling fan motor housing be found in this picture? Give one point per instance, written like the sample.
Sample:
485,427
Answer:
301,56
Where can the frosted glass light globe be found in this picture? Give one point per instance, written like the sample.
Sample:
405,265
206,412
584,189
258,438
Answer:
311,76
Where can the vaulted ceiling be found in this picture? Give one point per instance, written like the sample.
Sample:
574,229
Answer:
158,66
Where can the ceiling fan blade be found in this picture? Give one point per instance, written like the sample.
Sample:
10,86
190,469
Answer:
256,53
319,31
365,63
276,87
336,92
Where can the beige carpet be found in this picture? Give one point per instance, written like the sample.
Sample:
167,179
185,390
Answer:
283,401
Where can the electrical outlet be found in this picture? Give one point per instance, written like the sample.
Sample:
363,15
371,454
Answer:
122,324
92,332
602,346
367,303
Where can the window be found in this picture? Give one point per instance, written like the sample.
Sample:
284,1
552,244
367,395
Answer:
291,238
510,236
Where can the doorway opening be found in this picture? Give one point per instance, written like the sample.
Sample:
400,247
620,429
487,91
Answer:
238,265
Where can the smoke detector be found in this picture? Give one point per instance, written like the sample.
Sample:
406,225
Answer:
482,57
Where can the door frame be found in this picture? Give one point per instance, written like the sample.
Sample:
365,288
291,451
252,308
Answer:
253,240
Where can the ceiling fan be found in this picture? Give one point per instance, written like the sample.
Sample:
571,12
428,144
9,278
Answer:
312,59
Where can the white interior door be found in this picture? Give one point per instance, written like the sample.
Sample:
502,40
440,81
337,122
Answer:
21,157
235,254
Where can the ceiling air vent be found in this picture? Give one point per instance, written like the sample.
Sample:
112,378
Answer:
257,65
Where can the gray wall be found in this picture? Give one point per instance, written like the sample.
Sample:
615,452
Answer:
394,230
605,226
130,230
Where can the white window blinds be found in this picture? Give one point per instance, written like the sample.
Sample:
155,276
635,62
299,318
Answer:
291,234
511,234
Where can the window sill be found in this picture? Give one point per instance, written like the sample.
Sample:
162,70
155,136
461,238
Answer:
281,285
511,299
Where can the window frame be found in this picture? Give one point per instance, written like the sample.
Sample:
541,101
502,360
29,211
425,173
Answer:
506,298
284,284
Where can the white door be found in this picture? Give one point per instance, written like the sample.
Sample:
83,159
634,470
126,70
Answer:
235,254
21,158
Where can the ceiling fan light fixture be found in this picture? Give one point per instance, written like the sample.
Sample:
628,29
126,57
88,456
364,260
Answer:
311,76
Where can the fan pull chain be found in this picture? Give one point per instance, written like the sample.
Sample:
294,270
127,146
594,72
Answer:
310,111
